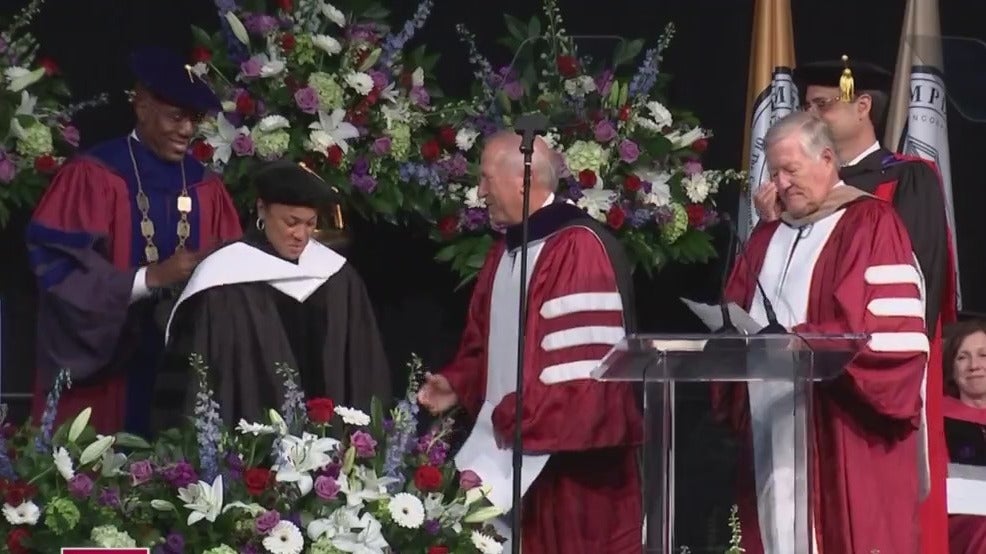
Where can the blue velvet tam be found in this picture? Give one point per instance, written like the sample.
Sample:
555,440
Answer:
172,81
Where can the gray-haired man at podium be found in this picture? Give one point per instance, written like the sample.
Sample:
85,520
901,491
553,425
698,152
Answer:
839,261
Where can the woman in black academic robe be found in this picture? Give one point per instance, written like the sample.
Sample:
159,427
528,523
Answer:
277,297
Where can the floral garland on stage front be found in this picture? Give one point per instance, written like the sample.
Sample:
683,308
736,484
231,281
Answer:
628,160
314,477
36,133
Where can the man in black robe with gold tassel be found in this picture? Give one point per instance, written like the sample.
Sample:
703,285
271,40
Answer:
276,297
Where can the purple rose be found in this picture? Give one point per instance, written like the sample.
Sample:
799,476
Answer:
514,90
381,146
80,486
70,134
605,131
469,479
419,96
361,167
475,219
629,151
7,170
175,543
266,521
380,79
110,497
365,183
332,470
692,167
307,99
180,475
243,145
433,527
260,24
326,487
141,472
251,68
364,444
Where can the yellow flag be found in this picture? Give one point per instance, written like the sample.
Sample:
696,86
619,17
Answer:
771,93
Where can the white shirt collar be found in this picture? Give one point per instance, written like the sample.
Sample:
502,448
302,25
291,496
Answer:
873,148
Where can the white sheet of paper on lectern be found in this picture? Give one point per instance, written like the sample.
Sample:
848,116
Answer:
711,316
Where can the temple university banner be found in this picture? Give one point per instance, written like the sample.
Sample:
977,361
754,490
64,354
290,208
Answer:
771,94
917,124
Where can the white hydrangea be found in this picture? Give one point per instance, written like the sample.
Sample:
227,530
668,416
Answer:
697,187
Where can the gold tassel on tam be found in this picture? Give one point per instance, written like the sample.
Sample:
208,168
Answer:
847,84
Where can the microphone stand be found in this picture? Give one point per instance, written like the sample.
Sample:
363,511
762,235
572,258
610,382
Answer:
528,127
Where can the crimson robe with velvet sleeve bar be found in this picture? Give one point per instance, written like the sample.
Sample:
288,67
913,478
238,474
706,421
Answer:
587,498
85,250
867,424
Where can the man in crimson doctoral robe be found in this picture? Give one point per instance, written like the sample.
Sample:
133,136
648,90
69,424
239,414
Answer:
838,261
118,230
913,185
579,436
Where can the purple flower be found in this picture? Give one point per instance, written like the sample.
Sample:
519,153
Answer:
80,486
361,167
364,444
438,453
433,527
70,134
692,167
469,479
604,81
110,497
605,131
629,151
332,470
514,90
248,549
260,24
180,475
307,99
243,145
365,183
175,543
235,464
7,170
381,146
419,96
251,68
326,487
380,79
141,472
266,521
474,219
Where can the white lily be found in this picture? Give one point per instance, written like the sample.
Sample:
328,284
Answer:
338,523
596,202
96,449
235,25
81,420
364,486
660,191
21,78
275,418
270,65
330,129
684,140
302,455
204,500
112,463
162,505
63,463
483,514
368,541
327,44
253,509
222,140
26,107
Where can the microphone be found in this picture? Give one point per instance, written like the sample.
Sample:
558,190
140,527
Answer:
528,126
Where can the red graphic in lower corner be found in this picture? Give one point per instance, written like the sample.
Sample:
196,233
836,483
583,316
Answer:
95,550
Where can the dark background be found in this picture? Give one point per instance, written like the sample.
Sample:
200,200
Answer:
708,59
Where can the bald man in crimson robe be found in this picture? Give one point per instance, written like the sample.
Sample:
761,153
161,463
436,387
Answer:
579,436
838,261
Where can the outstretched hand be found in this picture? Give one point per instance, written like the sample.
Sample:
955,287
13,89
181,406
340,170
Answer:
436,394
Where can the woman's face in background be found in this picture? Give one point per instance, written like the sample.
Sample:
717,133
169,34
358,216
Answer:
970,366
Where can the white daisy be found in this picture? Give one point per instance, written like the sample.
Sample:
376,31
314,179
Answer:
63,463
407,510
485,543
696,187
284,538
352,416
465,138
27,513
327,44
360,82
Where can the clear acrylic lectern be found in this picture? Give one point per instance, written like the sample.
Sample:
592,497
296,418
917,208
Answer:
773,374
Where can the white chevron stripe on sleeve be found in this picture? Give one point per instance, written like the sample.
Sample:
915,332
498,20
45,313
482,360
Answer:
894,274
582,336
899,341
896,307
581,302
571,371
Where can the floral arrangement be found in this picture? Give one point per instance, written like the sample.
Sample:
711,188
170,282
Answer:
36,133
330,87
314,477
628,159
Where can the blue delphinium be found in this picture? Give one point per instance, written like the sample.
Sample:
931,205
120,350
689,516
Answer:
393,44
207,422
402,427
645,78
42,443
235,49
293,406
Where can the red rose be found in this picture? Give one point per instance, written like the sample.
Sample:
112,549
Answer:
292,83
428,479
406,79
256,480
245,105
448,226
631,183
437,550
288,42
568,66
320,410
358,118
15,540
616,217
700,145
587,178
19,492
624,113
431,150
45,164
285,5
447,137
202,151
201,54
696,214
51,68
334,155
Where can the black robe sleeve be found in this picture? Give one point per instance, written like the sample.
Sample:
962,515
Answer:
921,205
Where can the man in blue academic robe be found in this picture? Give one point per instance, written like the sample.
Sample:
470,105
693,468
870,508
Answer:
118,231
